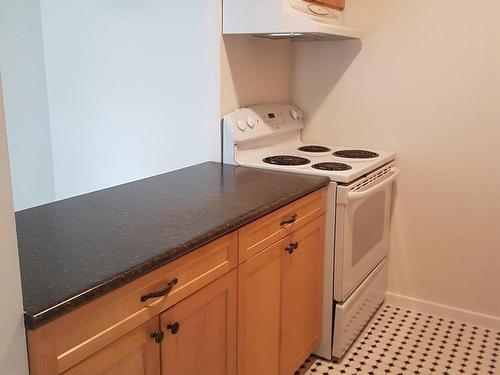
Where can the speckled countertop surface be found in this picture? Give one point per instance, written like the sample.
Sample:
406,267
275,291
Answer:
78,249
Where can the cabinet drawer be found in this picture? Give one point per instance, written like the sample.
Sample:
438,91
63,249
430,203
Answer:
263,232
66,341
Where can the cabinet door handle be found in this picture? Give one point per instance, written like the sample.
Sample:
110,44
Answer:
162,292
174,327
292,247
290,221
158,336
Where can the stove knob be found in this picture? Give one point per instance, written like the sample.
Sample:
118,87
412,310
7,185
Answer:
242,125
296,114
251,122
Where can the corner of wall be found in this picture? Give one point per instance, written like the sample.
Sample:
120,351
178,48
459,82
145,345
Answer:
254,71
13,354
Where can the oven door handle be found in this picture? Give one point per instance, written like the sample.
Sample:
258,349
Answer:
362,194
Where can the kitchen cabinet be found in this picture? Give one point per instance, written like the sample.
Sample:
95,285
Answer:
63,343
245,303
200,332
134,354
261,233
259,292
279,303
335,4
301,293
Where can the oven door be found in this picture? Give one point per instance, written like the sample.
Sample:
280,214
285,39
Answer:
362,229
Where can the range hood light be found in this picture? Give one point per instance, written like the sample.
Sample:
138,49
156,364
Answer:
294,36
285,35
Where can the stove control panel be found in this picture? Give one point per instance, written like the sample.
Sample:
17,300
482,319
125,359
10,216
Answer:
260,121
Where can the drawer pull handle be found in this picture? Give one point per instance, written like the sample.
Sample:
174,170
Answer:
289,221
174,327
162,292
158,336
292,247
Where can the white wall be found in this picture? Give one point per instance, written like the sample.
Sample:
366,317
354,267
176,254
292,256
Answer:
13,359
132,87
254,71
26,107
426,83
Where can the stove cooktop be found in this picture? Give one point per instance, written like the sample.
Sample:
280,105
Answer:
274,142
286,160
287,156
340,164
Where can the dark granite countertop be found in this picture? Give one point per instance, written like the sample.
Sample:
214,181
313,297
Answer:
75,250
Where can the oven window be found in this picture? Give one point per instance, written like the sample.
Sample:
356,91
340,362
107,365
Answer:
368,226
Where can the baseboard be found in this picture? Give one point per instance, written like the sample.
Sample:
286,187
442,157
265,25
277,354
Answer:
465,316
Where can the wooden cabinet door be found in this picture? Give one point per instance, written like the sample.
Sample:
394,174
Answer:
301,295
200,331
335,4
136,353
259,291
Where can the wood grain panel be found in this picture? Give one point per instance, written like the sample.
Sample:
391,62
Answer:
335,4
259,307
205,343
301,296
134,354
59,345
272,302
263,232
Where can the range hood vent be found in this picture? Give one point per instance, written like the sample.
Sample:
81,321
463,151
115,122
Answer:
285,19
302,36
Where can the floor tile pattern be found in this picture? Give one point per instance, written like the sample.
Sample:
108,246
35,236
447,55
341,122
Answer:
400,341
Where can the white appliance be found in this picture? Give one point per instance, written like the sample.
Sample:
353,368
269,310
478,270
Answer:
285,19
358,210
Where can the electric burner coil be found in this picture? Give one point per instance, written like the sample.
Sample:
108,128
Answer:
287,160
332,166
314,149
355,154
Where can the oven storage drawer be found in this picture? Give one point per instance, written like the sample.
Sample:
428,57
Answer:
263,232
352,315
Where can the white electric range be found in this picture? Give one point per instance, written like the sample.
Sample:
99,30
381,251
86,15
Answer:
357,217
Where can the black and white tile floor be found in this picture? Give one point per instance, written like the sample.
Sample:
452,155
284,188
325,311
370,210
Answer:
400,341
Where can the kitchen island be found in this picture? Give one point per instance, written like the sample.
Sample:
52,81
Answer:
99,270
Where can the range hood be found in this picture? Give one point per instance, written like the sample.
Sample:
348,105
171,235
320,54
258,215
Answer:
285,19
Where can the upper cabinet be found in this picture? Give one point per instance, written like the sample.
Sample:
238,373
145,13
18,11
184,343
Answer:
288,19
335,4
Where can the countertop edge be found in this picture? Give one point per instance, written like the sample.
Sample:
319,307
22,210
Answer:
34,321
